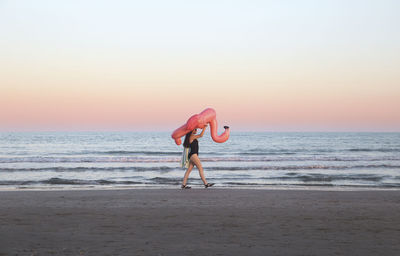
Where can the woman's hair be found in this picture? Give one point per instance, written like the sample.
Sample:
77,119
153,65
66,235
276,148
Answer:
186,142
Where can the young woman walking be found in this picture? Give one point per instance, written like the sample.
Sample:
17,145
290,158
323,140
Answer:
194,160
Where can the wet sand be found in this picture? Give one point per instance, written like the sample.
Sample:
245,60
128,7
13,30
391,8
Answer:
199,222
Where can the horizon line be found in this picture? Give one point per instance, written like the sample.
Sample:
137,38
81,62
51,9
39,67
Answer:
234,131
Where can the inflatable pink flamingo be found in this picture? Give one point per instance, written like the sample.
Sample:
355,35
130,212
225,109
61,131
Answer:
199,121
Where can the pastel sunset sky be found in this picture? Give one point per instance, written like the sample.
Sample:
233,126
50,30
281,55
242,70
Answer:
150,65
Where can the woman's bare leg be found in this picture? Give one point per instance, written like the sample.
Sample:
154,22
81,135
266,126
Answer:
196,161
185,178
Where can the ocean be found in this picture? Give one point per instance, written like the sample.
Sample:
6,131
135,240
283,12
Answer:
75,160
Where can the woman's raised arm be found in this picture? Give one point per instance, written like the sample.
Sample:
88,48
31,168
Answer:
201,134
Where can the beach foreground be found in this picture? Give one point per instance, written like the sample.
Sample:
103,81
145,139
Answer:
199,222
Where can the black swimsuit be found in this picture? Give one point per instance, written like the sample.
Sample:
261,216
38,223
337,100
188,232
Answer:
194,148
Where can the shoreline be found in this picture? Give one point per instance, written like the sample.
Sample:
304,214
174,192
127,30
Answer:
200,187
200,222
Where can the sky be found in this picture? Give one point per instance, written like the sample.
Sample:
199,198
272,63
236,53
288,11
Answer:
150,65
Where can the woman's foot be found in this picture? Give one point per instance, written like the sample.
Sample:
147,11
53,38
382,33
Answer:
185,187
208,185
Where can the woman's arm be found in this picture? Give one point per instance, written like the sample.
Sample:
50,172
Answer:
201,134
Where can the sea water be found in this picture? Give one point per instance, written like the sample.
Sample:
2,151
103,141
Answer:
151,159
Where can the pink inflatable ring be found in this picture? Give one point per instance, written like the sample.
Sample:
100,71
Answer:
199,121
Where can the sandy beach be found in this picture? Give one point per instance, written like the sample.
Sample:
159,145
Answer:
199,222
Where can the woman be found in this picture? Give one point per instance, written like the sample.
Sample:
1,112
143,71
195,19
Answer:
193,145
